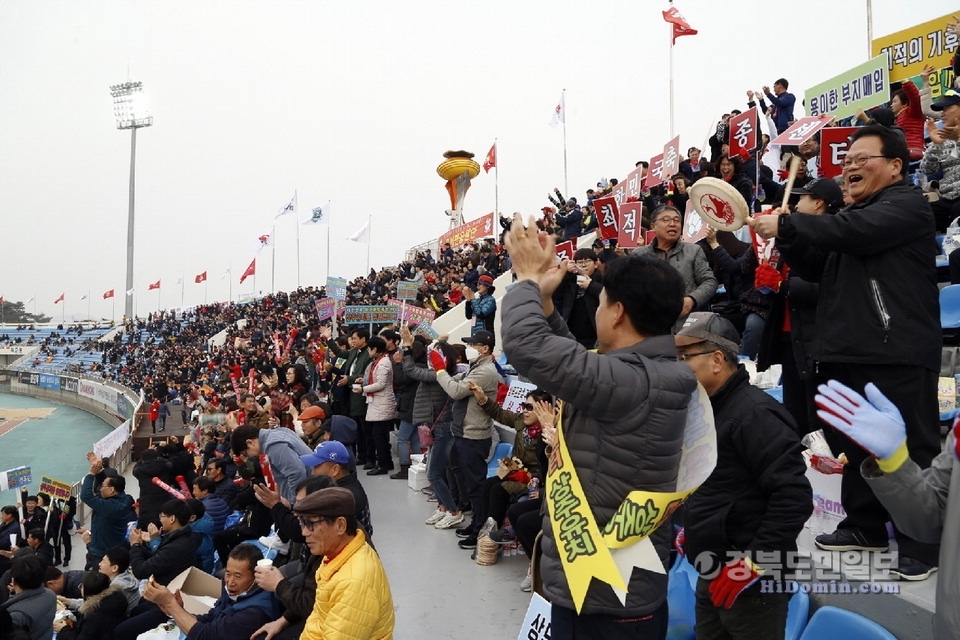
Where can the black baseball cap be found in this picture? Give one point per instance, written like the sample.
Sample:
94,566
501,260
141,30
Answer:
480,337
949,97
826,189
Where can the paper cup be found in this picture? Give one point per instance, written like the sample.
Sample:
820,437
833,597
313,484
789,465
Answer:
358,388
13,541
266,562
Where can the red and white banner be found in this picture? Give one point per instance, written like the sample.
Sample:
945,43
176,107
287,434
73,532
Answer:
201,278
655,175
155,285
671,158
250,271
491,160
607,217
565,250
482,227
834,144
108,294
631,214
629,187
802,130
743,132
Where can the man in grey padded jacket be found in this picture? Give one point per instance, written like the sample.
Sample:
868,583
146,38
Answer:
625,409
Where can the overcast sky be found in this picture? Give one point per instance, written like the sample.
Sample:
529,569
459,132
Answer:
353,102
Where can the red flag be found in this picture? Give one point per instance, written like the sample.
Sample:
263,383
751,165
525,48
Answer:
491,160
251,271
201,278
680,26
1,298
108,294
155,285
60,299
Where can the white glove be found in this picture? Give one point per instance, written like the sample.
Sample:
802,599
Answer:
873,422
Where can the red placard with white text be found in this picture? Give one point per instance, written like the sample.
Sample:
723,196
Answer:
565,250
655,174
650,237
743,132
629,187
629,225
607,216
802,130
834,144
671,158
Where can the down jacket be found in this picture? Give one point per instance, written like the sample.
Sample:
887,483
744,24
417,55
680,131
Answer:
108,525
33,610
353,597
431,404
99,616
176,553
378,389
623,422
477,425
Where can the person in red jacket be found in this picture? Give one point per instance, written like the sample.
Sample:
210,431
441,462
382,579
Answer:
906,106
154,414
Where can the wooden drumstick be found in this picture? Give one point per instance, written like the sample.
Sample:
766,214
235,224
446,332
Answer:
794,167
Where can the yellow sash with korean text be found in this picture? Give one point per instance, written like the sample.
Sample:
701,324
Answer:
610,555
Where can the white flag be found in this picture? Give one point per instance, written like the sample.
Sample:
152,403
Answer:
130,291
30,300
363,234
84,296
263,240
559,113
290,208
319,215
225,275
180,280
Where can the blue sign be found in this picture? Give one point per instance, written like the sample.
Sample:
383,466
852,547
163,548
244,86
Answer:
48,381
336,288
19,477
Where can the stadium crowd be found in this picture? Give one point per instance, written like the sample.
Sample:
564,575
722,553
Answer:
287,417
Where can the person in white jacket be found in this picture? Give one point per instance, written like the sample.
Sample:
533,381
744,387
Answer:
377,388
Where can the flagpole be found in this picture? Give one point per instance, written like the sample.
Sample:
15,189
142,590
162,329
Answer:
563,100
181,294
369,238
113,311
670,34
205,291
496,179
329,224
296,221
869,29
273,259
231,283
88,305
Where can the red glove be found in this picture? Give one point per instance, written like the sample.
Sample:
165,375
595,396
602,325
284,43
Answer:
733,580
437,361
767,276
679,540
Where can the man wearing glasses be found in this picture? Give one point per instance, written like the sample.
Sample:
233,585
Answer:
112,509
700,283
753,506
353,595
878,319
578,296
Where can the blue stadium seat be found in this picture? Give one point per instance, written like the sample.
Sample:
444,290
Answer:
503,450
797,613
682,600
830,623
950,307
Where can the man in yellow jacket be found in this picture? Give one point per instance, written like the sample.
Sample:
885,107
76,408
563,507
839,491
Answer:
353,595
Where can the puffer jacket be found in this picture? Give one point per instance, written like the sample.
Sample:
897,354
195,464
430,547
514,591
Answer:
477,425
431,404
217,509
176,553
129,586
236,619
378,388
757,499
353,597
33,610
875,262
623,423
99,616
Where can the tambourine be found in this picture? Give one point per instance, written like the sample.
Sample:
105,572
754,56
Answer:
720,205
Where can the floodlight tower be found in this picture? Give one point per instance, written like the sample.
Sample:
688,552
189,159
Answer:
130,109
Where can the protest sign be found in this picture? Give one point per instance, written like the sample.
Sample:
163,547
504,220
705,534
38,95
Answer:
655,174
15,478
671,158
801,130
606,211
536,624
694,228
325,308
482,227
55,488
866,85
834,144
908,51
743,132
629,187
412,314
366,314
516,395
426,330
336,287
407,290
629,226
565,250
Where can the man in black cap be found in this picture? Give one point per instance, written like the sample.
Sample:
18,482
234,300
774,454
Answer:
353,595
474,446
942,155
825,196
745,518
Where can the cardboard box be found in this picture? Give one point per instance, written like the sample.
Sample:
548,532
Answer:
196,587
417,477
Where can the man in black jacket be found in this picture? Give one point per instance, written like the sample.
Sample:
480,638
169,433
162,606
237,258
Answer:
745,518
878,319
152,497
578,296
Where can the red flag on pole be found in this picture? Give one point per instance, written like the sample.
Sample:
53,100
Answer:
155,285
108,294
491,160
251,271
60,299
680,26
201,278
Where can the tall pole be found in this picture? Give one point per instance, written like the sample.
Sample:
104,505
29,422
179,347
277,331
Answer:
296,221
181,294
230,271
128,307
563,99
670,35
869,29
496,178
328,250
88,306
273,259
369,239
